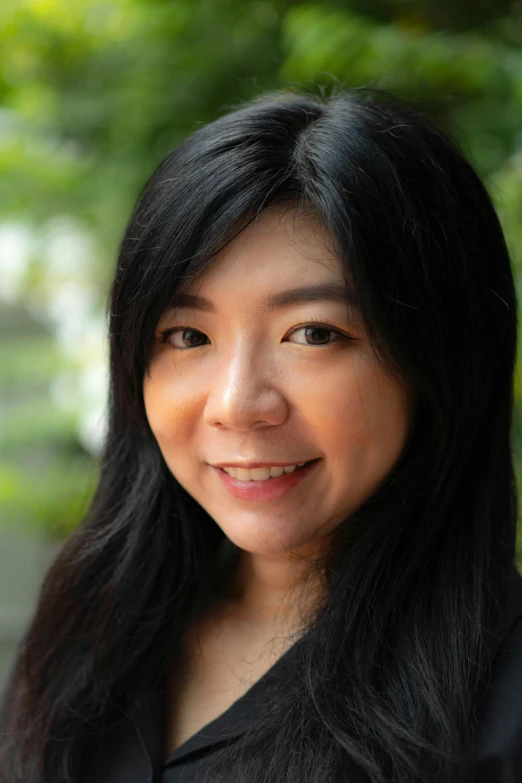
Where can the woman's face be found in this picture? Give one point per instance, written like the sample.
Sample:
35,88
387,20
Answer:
249,378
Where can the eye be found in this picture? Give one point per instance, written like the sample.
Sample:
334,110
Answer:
318,332
186,333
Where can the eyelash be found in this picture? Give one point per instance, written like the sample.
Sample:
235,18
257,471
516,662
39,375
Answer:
166,333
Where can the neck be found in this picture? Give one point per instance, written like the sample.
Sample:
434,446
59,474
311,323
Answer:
271,588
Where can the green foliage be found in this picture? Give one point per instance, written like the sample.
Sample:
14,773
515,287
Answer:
93,95
46,478
55,494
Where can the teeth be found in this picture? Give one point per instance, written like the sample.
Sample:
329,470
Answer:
261,474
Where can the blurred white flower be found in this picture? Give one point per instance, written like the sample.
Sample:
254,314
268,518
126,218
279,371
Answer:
92,431
66,299
16,248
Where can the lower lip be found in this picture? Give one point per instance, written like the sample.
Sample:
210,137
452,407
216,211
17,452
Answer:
271,489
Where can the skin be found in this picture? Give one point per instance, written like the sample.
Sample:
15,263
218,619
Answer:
255,388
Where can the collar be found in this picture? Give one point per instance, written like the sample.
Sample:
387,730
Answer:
146,709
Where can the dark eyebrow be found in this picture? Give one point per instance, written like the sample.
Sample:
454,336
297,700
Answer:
323,292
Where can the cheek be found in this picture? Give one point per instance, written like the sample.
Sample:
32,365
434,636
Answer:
362,419
171,425
167,410
170,396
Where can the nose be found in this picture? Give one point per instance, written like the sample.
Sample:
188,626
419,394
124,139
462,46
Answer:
243,393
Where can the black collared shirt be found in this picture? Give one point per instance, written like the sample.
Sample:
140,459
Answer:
133,753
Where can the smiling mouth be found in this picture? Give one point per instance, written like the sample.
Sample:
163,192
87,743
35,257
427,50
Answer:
274,478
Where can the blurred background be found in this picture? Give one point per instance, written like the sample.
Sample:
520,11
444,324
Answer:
93,94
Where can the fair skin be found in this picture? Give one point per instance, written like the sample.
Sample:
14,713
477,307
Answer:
252,384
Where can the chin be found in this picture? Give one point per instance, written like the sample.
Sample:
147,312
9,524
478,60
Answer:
258,543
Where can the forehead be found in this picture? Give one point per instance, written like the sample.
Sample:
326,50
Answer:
282,243
281,258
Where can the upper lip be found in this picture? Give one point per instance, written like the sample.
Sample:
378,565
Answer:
250,465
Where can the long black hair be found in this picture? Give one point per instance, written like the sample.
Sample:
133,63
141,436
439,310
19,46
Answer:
388,675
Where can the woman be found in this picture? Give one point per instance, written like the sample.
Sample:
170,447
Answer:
315,294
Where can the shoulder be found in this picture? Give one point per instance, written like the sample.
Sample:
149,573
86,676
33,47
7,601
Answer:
128,750
498,742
